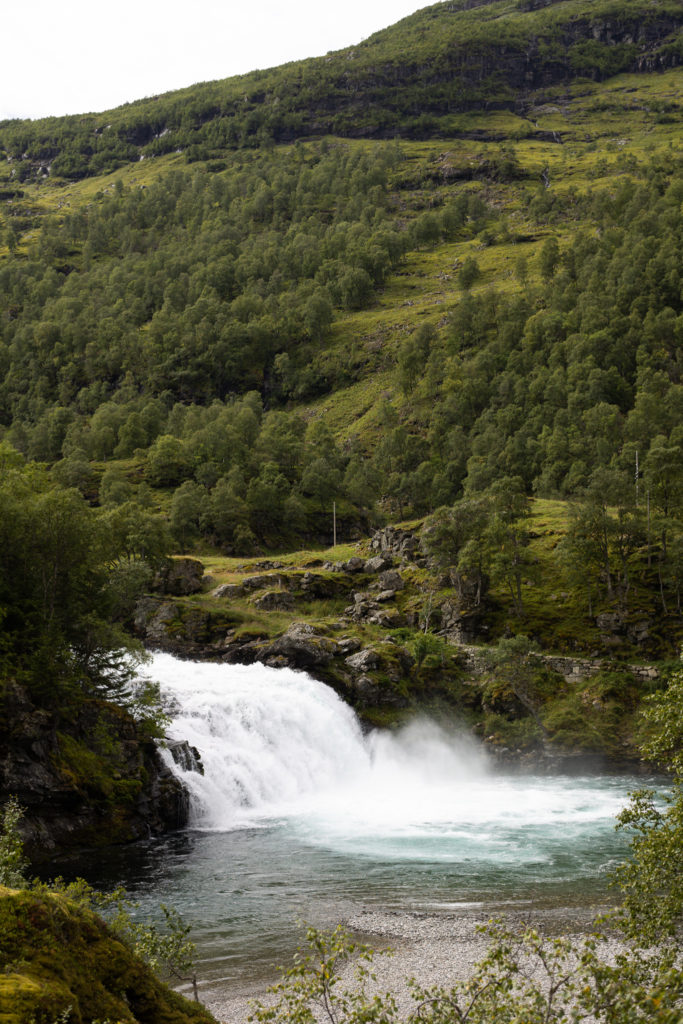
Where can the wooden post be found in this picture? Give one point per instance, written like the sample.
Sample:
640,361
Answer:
637,477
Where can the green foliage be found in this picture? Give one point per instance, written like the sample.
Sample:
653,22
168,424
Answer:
481,537
468,273
595,716
312,985
428,650
169,952
512,667
524,978
652,882
63,588
13,864
549,258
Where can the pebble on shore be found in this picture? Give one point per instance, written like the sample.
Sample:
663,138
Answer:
432,948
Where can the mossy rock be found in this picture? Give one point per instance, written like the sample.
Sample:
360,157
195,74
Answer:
61,959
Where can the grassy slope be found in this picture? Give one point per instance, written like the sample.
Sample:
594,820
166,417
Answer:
60,962
601,126
603,129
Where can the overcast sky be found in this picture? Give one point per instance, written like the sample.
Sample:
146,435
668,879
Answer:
75,56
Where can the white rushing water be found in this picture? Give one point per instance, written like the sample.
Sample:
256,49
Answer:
299,816
280,747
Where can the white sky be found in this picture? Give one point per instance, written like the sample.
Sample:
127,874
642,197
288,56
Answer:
76,56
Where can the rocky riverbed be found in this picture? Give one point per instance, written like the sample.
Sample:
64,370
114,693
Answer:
434,948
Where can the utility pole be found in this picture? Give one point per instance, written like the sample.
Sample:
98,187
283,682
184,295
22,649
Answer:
637,476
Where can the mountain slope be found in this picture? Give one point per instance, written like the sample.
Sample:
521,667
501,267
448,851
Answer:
408,81
239,341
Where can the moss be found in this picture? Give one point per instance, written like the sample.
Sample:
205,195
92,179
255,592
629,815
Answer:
60,957
97,772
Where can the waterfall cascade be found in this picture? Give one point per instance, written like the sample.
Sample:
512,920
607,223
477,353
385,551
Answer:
280,747
298,815
266,737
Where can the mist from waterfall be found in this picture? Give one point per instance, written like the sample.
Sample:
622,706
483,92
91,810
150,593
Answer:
279,747
300,816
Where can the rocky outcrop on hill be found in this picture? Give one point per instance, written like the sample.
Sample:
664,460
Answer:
399,542
301,646
179,576
85,777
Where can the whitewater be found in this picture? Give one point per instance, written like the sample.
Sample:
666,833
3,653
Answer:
301,815
279,747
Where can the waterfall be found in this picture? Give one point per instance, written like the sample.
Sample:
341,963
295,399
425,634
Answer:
280,749
275,743
266,738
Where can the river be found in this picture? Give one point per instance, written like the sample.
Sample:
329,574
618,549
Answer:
300,816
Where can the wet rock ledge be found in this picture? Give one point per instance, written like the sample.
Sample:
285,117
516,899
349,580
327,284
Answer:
86,779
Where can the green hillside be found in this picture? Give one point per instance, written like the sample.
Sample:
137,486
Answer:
413,80
437,274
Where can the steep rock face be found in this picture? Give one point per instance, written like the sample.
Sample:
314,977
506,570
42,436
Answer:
85,779
62,962
507,66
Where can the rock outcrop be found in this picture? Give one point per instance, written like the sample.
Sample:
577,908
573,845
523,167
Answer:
86,777
400,543
301,646
180,576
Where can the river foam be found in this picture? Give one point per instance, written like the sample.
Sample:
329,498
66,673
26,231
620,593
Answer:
300,816
279,747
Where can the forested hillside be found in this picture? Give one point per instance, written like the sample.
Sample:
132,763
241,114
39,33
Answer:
440,270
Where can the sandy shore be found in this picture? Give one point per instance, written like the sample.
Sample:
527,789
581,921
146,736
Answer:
433,948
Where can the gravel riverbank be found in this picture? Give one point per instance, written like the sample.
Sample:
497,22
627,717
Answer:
434,948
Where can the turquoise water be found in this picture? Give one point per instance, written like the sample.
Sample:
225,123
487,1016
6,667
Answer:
300,817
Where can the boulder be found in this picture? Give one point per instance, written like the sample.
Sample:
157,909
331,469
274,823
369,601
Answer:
362,606
391,580
275,601
365,691
300,647
378,563
363,661
229,590
386,619
265,581
354,564
348,645
179,576
185,755
152,620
